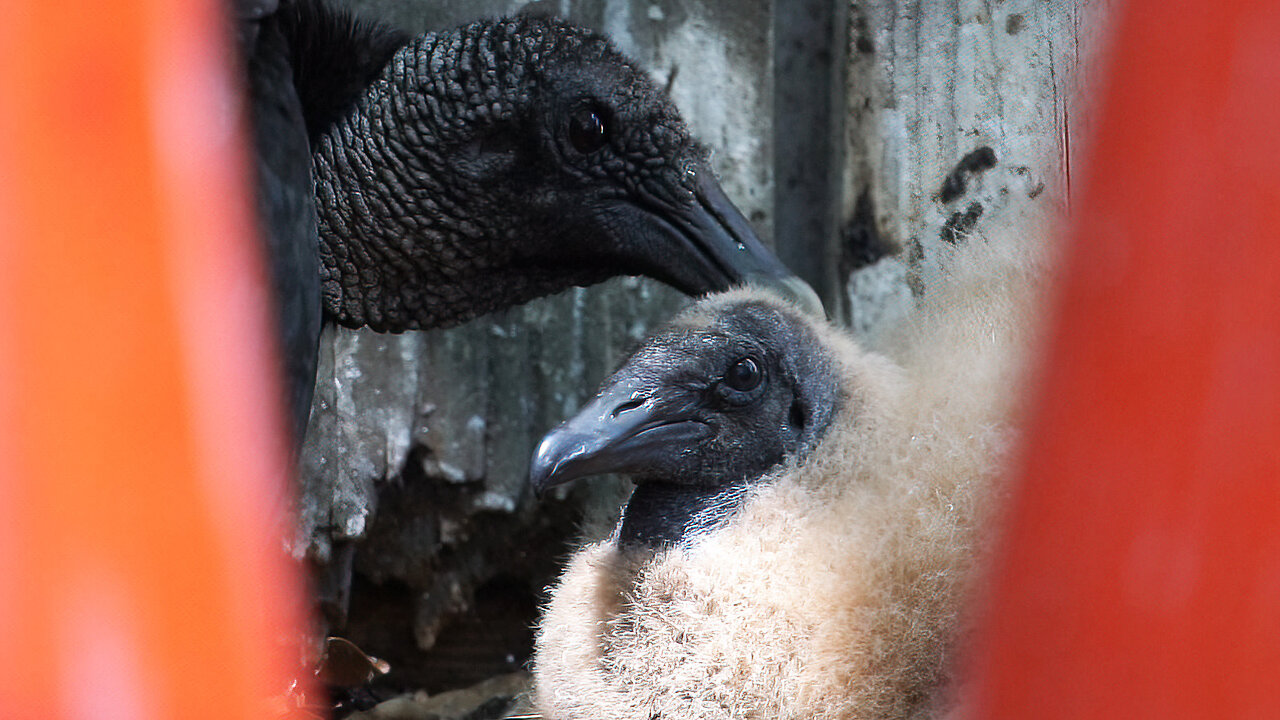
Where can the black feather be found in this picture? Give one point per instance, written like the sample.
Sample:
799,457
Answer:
334,55
285,201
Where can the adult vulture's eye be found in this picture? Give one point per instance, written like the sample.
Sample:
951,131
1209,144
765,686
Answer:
588,130
744,376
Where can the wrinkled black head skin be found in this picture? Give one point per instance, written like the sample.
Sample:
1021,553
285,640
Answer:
514,158
697,415
568,147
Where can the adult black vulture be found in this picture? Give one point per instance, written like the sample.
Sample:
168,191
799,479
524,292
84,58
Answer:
410,183
805,518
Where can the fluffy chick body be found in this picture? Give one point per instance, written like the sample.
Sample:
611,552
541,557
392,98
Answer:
836,590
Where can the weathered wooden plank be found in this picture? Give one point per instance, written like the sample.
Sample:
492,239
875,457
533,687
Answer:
931,83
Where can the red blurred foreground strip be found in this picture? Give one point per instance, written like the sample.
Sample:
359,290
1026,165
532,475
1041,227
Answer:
1140,572
142,469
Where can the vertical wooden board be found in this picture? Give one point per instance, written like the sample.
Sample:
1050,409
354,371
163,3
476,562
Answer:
809,69
930,84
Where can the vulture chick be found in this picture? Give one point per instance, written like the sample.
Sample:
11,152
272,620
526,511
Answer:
411,183
803,526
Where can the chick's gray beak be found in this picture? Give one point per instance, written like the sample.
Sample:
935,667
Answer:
733,255
622,430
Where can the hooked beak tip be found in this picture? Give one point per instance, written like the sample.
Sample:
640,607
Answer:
733,246
549,465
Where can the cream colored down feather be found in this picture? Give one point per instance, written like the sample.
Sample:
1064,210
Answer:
837,591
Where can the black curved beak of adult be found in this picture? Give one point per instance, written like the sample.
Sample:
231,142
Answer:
623,430
727,251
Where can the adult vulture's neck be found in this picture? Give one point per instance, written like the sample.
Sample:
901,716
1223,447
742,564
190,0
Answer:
411,231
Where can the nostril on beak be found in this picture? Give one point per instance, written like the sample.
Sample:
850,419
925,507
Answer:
628,406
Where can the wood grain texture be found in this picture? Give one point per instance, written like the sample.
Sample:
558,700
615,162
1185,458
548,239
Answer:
929,83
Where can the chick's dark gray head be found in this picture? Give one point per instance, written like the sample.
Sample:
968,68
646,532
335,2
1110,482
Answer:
716,400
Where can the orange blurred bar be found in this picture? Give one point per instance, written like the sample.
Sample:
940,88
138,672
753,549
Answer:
142,465
1140,572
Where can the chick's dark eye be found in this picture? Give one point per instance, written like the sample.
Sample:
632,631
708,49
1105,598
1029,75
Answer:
744,376
588,130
